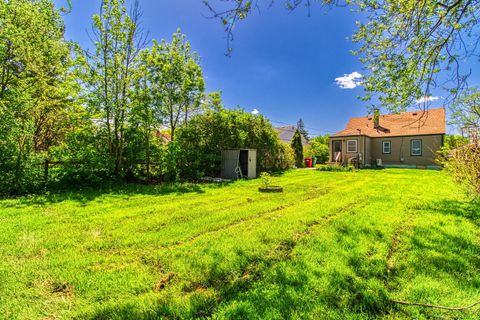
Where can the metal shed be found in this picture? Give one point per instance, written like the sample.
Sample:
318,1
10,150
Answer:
239,163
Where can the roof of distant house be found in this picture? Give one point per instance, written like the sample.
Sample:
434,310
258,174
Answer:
286,134
426,122
164,136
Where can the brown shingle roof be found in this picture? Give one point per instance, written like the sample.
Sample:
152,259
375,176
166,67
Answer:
403,124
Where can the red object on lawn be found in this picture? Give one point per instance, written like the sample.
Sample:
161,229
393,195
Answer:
308,162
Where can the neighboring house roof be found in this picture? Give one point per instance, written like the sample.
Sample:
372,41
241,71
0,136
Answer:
431,121
164,136
286,134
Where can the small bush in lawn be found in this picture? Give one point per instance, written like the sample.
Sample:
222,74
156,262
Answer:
266,179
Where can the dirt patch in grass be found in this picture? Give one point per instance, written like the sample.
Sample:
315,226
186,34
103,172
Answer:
160,285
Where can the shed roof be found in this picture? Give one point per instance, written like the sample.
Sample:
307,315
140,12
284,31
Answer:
431,121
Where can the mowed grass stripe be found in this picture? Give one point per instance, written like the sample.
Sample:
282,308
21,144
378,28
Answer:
320,250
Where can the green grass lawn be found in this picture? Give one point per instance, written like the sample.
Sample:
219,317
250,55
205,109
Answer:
334,245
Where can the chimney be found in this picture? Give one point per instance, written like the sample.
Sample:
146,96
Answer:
376,118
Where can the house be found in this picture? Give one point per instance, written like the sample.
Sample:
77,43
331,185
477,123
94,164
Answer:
408,139
164,136
286,134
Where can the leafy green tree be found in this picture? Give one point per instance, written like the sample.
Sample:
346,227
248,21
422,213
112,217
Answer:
212,101
147,114
118,38
466,110
217,129
320,148
297,147
176,80
36,90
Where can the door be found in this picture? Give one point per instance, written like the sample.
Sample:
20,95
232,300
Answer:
243,162
337,151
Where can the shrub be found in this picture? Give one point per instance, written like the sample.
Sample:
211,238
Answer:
297,147
336,168
463,164
320,148
266,179
201,141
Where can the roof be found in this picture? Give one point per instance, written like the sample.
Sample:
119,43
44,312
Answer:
286,134
164,136
431,121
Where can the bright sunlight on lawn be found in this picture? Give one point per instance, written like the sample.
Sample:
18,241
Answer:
334,245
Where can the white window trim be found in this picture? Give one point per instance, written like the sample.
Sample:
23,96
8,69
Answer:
411,148
389,147
356,146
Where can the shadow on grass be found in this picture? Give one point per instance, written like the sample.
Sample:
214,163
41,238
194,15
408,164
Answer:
88,194
275,285
468,209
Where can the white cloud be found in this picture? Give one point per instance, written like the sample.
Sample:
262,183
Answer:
426,99
349,81
255,112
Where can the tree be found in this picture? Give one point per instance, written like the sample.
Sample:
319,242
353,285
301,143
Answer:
35,87
461,157
118,39
217,129
466,111
301,128
147,113
297,147
409,47
321,148
176,79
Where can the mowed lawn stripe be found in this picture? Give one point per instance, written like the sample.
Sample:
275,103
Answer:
333,245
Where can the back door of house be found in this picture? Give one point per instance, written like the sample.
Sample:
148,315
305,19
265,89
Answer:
337,149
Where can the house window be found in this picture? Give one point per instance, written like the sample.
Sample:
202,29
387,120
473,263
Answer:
352,146
386,147
416,147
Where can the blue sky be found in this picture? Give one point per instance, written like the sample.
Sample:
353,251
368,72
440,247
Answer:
283,64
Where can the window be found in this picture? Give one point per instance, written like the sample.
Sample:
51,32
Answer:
386,147
416,147
352,146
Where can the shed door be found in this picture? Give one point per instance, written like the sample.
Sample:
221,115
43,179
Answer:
229,163
244,162
252,164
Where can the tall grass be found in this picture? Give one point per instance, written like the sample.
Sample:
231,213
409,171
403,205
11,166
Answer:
334,245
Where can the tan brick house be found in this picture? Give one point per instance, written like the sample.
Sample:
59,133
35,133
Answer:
408,139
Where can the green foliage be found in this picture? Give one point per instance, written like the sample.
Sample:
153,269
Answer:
297,147
450,143
111,74
84,117
36,90
214,130
176,79
266,179
334,245
463,164
466,110
336,168
320,147
303,131
407,46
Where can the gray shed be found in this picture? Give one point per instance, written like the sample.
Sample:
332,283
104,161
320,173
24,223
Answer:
239,163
